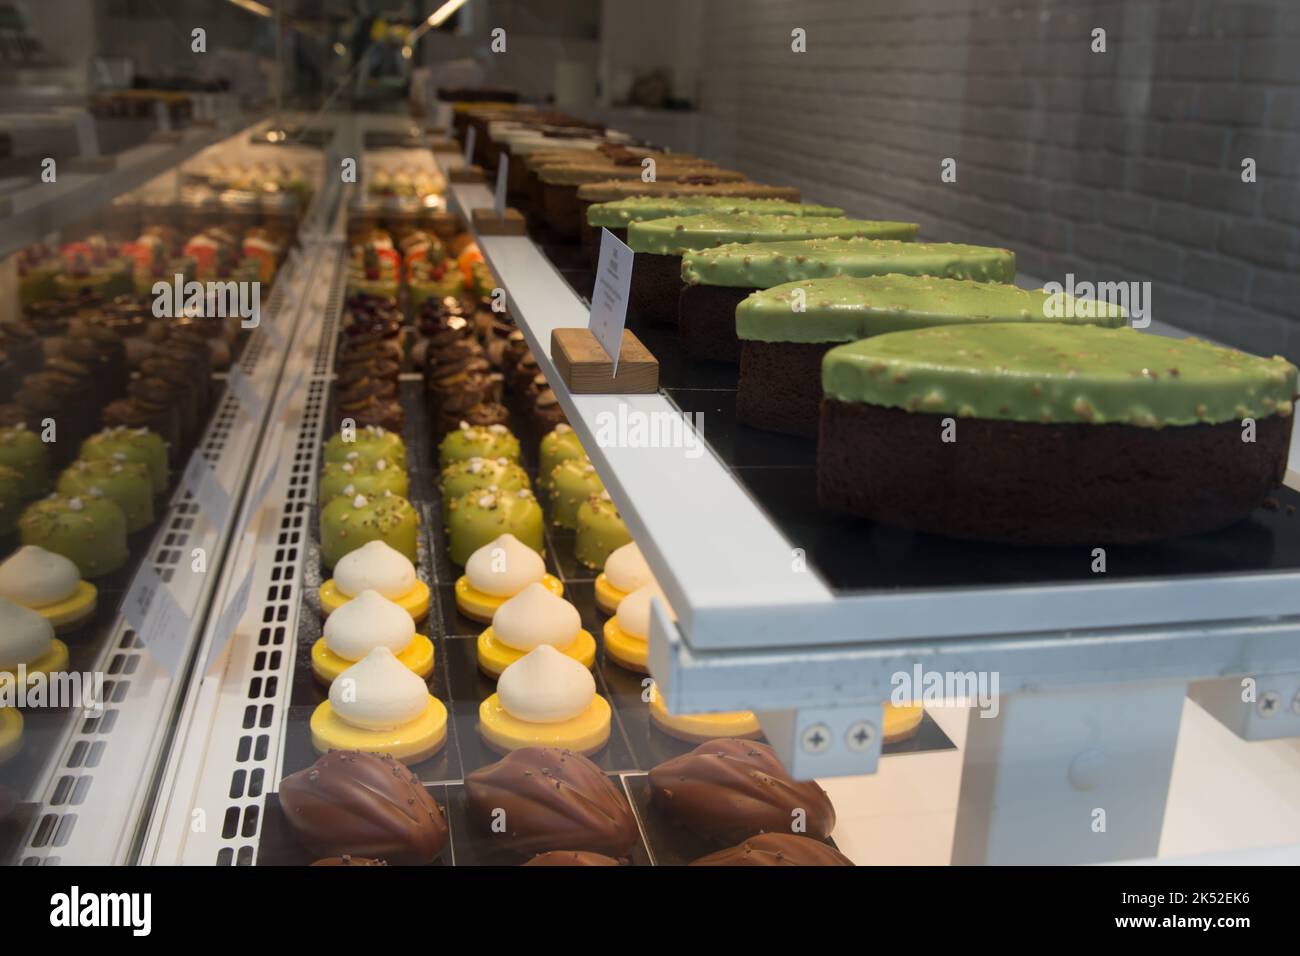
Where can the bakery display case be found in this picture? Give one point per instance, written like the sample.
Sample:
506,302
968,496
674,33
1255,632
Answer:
882,538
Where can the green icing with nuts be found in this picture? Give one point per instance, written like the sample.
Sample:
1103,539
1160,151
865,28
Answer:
617,214
772,263
677,235
1059,373
845,308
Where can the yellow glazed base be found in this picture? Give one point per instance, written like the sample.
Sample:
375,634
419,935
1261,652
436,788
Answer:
698,728
11,733
326,665
902,723
54,661
624,649
416,741
608,597
70,614
415,602
480,607
585,734
494,657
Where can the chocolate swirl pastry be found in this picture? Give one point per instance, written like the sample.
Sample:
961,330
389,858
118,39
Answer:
571,858
547,412
362,388
732,789
346,860
369,350
23,346
475,407
776,849
357,803
382,369
550,799
381,413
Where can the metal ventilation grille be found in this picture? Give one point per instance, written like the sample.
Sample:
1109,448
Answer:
269,674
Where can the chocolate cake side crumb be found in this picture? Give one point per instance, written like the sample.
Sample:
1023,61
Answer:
1058,484
706,321
780,386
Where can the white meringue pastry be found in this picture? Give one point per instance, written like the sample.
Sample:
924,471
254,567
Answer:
534,617
634,610
34,577
378,693
375,566
504,567
626,568
545,687
368,621
25,636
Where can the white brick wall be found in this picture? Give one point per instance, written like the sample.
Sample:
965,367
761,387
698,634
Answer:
1117,165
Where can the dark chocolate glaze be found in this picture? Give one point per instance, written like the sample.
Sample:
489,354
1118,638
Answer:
552,800
358,803
732,789
777,849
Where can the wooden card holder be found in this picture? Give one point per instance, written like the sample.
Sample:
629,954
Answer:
467,174
587,370
486,223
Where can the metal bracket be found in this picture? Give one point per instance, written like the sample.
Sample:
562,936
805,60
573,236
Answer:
826,741
1259,707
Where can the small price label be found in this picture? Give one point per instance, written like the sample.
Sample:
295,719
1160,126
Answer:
609,299
203,484
230,617
157,617
503,176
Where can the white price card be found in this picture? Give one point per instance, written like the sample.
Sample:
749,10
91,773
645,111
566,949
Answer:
250,397
158,619
503,176
470,136
609,299
201,481
230,617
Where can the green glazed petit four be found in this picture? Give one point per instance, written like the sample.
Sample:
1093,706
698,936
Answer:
359,477
480,517
600,530
571,482
88,531
370,443
477,474
22,450
478,441
348,523
126,482
130,444
559,444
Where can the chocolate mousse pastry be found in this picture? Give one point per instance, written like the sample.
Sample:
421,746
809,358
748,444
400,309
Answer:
347,860
370,411
695,187
20,342
786,330
718,280
549,799
134,413
381,375
571,858
730,789
521,379
659,244
158,392
365,805
182,376
547,413
481,414
100,350
1050,434
776,849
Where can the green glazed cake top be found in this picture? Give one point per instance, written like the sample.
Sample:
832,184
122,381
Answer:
677,235
772,263
1059,373
616,215
846,308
